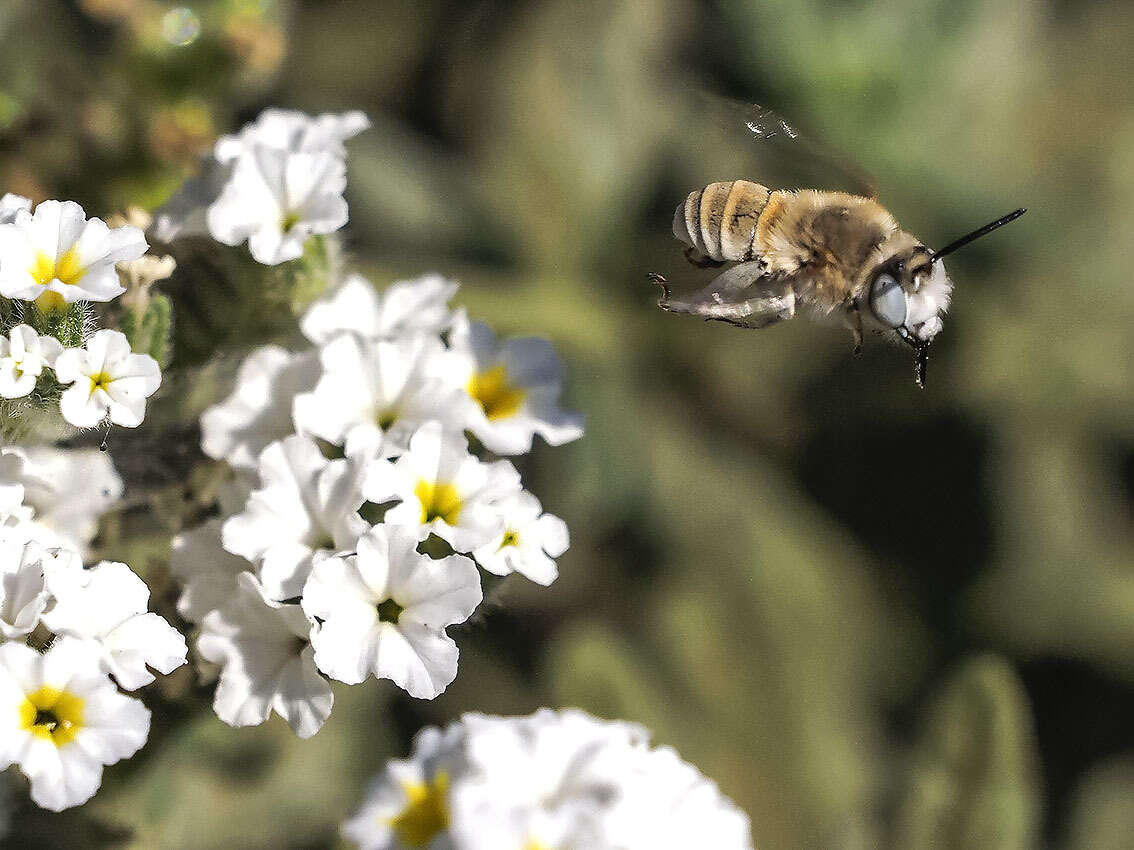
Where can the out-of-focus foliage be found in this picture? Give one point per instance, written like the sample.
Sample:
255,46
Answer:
972,783
863,608
1101,816
148,328
5,806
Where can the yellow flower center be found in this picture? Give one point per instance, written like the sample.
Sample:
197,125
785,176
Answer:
100,381
52,714
438,501
426,814
289,221
499,398
66,269
387,418
511,538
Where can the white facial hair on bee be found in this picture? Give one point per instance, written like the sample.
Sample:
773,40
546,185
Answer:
835,254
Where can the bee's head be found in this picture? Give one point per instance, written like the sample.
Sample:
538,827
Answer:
906,290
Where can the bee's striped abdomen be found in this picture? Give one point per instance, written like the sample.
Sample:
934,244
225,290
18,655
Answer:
719,221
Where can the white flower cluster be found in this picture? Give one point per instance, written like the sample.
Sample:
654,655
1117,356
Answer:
55,256
63,715
297,585
556,780
278,181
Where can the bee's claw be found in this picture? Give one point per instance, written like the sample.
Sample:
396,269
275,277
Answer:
663,302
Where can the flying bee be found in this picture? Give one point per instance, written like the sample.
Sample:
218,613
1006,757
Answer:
836,254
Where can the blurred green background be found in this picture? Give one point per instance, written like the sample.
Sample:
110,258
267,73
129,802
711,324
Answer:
877,616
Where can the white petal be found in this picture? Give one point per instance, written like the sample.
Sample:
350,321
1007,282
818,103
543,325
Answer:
353,306
59,782
71,365
264,665
81,407
206,569
345,647
141,641
284,569
555,538
420,660
23,594
436,592
70,489
111,594
303,698
258,411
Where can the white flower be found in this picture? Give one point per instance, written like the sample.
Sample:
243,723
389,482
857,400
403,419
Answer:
529,543
11,204
23,593
517,386
383,612
69,489
406,306
258,411
291,130
22,358
267,661
443,489
275,129
107,604
208,572
276,200
108,381
62,719
669,805
547,780
58,250
379,392
305,509
556,780
408,805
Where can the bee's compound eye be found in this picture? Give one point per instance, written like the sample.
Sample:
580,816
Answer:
888,301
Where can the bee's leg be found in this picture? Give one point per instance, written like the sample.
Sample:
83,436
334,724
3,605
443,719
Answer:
743,296
701,261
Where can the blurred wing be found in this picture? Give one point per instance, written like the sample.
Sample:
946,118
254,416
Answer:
743,296
775,152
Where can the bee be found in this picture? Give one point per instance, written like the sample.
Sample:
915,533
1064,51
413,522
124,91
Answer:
835,254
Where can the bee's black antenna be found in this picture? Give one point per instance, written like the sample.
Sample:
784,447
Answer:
976,234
